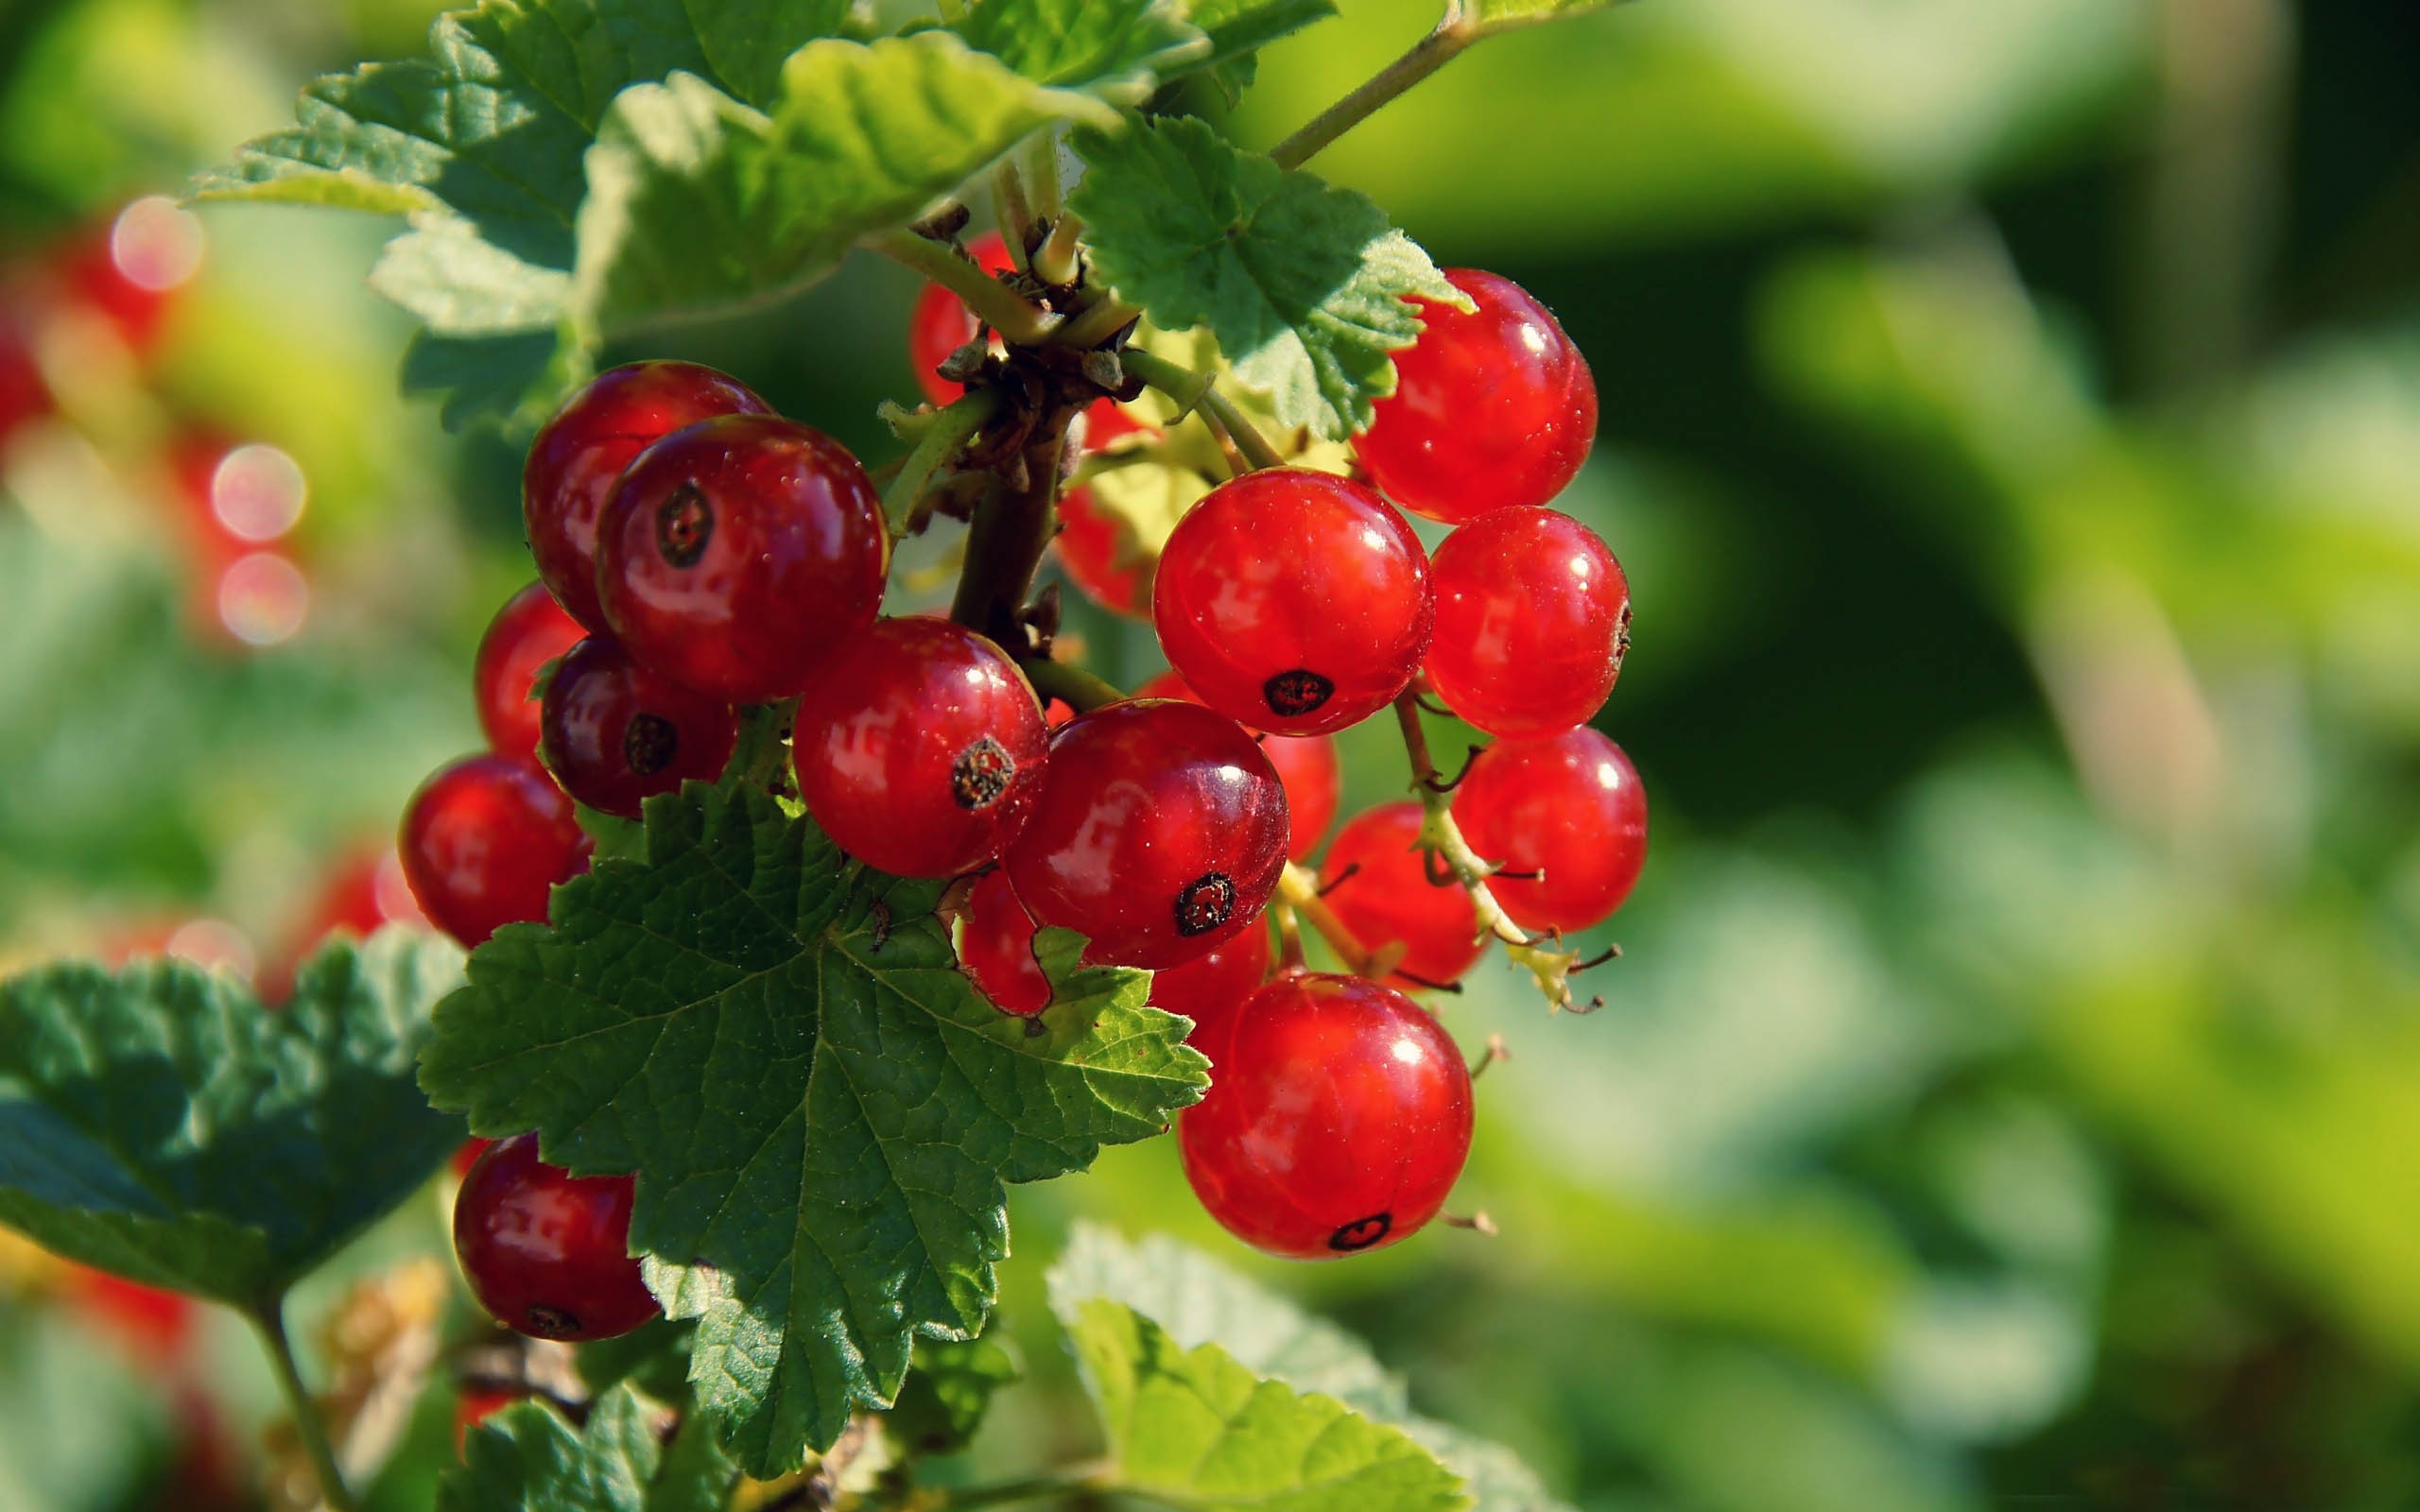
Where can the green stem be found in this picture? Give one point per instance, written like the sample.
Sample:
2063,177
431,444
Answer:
1005,543
1299,890
1096,324
943,439
1192,390
1056,262
271,1322
1442,837
1431,53
995,303
1070,684
1074,1479
1015,215
1042,169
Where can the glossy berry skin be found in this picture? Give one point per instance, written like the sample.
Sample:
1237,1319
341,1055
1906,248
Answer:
530,631
995,948
1306,763
548,1253
1533,622
1491,409
736,555
1296,602
1338,1117
1569,806
485,841
942,323
618,734
1159,836
921,748
581,453
1390,897
1209,989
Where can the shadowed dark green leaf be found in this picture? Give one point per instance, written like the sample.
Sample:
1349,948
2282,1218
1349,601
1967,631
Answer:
948,1389
161,1124
1305,285
821,1109
1119,49
527,1458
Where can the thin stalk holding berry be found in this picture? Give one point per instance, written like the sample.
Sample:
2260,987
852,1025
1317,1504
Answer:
993,302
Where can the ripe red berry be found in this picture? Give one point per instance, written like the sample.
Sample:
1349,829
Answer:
942,323
476,1406
1570,808
617,733
548,1253
1294,601
530,631
737,554
1306,763
1492,408
1532,620
580,452
1378,885
1089,543
1159,832
484,841
920,748
995,948
1338,1117
1210,987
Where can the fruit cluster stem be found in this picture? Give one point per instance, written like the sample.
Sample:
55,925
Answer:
946,433
1070,684
1441,836
1010,532
308,1426
993,302
1431,53
1299,890
1195,390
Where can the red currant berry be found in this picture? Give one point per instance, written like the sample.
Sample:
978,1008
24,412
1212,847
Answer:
920,748
466,1155
1208,988
530,631
1089,543
1492,408
1338,1117
1159,835
736,553
1532,620
1306,763
942,323
548,1253
484,842
476,1406
579,454
995,948
1294,601
618,734
1378,885
1569,808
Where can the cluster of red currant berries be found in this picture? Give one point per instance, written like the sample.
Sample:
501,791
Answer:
697,553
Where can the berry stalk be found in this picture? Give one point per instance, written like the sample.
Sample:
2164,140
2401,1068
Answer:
308,1426
993,302
1298,889
1193,390
1010,532
1441,839
945,435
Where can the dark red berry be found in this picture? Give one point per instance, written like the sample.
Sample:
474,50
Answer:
548,1253
579,454
1296,602
942,323
484,841
1489,409
618,734
920,748
1306,763
1569,808
995,948
1532,620
1098,559
530,631
1378,885
1159,836
466,1155
1338,1117
737,554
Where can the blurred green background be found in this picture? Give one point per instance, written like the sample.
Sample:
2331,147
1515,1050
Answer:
2011,1093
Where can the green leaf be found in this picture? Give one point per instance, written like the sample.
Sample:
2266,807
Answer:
527,1458
1195,1428
1119,49
696,200
1239,29
948,1389
1200,1302
819,1108
1305,285
161,1124
654,1358
1503,15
